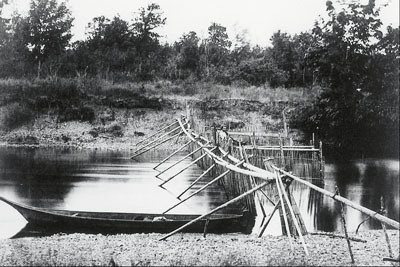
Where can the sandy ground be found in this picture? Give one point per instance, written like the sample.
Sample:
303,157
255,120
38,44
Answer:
194,249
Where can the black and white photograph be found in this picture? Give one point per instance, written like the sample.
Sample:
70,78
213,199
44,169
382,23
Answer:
199,133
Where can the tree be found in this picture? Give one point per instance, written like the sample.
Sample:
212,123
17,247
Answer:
217,45
147,45
48,30
188,57
354,59
215,52
283,54
13,50
109,45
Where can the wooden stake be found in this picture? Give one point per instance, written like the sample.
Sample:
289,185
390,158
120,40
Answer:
270,218
345,227
216,209
171,155
322,171
262,209
384,228
188,166
284,211
266,196
156,145
285,130
296,224
205,228
282,164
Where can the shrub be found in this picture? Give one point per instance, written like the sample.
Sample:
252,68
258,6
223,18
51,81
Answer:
82,113
16,115
115,129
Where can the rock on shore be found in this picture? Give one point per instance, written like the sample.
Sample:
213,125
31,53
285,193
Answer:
194,249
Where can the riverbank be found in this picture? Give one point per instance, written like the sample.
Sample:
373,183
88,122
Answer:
194,249
121,128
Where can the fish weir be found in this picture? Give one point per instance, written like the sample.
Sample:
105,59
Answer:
303,161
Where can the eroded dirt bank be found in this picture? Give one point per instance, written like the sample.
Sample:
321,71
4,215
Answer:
122,126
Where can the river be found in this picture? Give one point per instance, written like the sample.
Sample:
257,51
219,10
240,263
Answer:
100,180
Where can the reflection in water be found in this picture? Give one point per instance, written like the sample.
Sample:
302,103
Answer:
95,180
362,182
98,181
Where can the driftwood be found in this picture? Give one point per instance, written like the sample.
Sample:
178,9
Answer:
339,236
391,259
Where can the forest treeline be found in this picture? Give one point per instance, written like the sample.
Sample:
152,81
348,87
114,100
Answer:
348,53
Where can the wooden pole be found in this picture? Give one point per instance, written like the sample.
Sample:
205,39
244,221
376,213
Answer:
205,228
270,218
345,227
166,127
216,209
202,188
214,134
158,138
263,174
282,163
285,130
384,228
246,158
296,224
284,211
322,170
266,196
188,166
313,140
171,155
198,179
182,159
156,145
345,201
262,209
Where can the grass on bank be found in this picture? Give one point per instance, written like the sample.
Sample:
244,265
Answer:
197,90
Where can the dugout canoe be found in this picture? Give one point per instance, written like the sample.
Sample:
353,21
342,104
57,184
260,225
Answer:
68,221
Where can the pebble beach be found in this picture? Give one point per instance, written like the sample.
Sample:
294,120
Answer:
185,249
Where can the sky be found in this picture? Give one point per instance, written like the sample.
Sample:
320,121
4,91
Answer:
258,18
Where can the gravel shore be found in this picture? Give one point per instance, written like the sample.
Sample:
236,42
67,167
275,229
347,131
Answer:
194,249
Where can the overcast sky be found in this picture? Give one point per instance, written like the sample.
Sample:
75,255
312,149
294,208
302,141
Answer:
260,18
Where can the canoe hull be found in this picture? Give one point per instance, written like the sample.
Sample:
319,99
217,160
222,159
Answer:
113,223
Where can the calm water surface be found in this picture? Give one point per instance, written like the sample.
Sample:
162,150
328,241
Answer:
94,180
